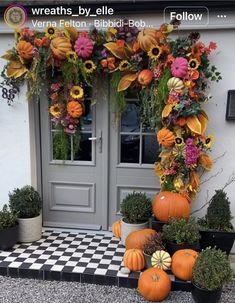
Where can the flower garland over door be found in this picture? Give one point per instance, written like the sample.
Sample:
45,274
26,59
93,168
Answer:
171,78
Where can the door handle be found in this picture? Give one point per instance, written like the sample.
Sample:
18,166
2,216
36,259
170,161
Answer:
98,140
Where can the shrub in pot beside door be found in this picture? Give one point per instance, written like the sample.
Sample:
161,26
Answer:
216,228
136,210
26,203
181,234
210,272
8,228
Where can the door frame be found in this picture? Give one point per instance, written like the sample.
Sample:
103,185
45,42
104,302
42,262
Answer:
36,145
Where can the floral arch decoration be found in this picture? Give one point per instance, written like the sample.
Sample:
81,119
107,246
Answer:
171,78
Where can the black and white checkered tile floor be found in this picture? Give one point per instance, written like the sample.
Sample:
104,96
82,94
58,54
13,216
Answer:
70,256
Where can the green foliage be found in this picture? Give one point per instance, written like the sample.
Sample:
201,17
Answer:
61,146
153,244
218,216
118,101
212,269
136,208
185,230
25,202
153,101
7,218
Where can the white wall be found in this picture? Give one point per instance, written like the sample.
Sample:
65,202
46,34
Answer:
14,151
14,137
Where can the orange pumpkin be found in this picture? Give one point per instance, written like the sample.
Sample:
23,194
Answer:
154,284
182,264
145,77
116,229
60,46
74,109
168,205
165,137
25,49
134,259
147,38
137,239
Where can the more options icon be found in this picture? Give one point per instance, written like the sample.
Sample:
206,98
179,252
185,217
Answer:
187,15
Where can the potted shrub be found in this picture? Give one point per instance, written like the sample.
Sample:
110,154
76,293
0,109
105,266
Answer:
27,204
153,244
8,228
136,210
216,228
181,234
210,272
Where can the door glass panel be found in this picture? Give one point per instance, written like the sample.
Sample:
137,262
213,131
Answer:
130,148
137,144
149,149
66,147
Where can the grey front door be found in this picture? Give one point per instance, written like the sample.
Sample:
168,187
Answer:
75,190
85,191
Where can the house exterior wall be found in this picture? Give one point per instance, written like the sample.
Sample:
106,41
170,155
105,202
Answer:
14,123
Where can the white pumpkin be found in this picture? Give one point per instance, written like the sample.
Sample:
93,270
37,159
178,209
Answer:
161,259
175,84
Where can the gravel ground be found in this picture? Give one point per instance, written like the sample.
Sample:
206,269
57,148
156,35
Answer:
37,291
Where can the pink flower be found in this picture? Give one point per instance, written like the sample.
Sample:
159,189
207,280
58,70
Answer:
192,152
83,47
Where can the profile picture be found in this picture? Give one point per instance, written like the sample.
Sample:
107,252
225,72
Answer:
15,16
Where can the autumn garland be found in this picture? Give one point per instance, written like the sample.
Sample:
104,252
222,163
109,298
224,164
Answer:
169,76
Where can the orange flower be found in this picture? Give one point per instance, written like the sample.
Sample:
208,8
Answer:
206,161
108,63
193,74
41,42
54,97
181,121
120,43
135,46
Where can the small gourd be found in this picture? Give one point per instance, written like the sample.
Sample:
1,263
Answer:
74,109
116,229
179,67
147,38
60,46
165,137
161,259
175,84
134,259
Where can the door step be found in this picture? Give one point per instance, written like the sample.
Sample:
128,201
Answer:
71,256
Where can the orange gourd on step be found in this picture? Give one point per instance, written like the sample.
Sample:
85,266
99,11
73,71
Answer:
74,109
182,264
168,205
60,46
165,137
25,49
137,239
147,38
145,77
134,259
154,284
116,229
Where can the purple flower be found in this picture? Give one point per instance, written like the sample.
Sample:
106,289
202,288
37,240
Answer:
104,53
192,152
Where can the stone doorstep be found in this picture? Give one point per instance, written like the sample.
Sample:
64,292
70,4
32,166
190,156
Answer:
72,256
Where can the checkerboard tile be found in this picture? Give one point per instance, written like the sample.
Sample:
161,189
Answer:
82,257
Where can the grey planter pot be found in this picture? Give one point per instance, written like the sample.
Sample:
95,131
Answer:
30,229
127,228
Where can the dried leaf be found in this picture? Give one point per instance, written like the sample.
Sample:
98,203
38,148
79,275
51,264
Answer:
16,69
119,52
202,116
194,125
126,81
166,111
8,55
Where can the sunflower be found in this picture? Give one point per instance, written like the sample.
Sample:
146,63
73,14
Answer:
208,141
51,32
89,66
162,179
55,110
123,65
193,64
155,52
76,92
72,57
179,141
